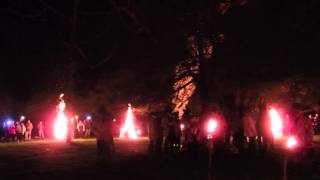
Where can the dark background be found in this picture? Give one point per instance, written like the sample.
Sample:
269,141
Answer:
108,55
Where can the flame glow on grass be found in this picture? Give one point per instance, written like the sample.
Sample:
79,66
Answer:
129,129
60,126
276,123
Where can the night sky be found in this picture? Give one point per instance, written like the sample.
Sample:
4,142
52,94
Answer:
41,46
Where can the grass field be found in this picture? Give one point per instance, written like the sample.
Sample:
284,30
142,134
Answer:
50,160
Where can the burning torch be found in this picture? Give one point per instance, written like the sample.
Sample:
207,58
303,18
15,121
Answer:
182,135
211,129
290,145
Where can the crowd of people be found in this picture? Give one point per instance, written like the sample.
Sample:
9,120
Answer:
249,132
22,131
82,128
25,131
168,133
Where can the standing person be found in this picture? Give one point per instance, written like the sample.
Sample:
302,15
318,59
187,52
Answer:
165,121
81,129
155,132
158,132
29,127
250,130
87,131
41,130
177,132
173,136
151,132
19,131
24,129
12,132
71,130
105,144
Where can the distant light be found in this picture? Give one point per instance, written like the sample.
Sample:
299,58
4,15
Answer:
212,125
88,118
9,122
114,120
182,127
22,118
76,116
211,128
291,142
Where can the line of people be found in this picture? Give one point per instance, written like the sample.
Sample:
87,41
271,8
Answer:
244,133
168,134
21,131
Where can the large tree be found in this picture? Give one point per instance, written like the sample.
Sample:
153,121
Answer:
88,44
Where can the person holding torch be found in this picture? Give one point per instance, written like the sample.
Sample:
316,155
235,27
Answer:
211,128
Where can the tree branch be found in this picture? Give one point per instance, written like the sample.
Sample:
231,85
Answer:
184,86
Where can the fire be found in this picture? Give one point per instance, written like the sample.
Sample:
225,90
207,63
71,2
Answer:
182,127
211,127
129,129
291,142
60,126
276,123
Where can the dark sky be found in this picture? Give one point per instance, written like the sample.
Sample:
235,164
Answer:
37,40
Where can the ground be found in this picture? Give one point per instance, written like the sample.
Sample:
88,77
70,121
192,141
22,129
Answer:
58,160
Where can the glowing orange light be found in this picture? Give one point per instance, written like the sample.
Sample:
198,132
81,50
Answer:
212,125
276,123
291,142
22,118
129,129
182,127
60,126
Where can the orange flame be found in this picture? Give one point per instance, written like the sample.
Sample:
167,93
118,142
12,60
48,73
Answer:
60,126
276,123
182,127
291,142
129,129
211,128
212,125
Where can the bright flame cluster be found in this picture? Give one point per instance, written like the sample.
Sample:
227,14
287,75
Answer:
276,123
60,126
211,127
182,127
129,129
291,142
